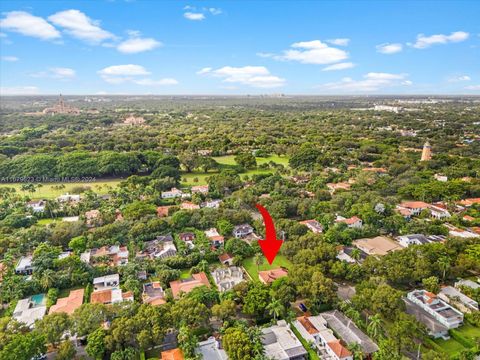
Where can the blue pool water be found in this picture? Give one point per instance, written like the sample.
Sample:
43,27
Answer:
38,299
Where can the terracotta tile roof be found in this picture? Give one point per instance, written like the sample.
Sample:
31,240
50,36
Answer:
162,211
414,205
101,297
175,354
468,218
307,324
469,202
225,257
350,221
68,304
270,276
187,285
340,350
127,295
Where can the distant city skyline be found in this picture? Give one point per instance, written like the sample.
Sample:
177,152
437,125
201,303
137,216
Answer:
231,48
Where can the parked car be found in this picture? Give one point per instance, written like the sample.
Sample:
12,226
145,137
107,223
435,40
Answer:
302,307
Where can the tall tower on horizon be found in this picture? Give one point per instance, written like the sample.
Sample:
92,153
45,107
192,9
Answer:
426,152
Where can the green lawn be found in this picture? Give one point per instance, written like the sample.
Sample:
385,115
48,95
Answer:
451,346
469,331
251,267
185,274
229,160
47,221
49,190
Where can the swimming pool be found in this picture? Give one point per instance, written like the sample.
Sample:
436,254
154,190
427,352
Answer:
38,299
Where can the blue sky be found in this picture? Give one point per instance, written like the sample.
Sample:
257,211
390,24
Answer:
239,47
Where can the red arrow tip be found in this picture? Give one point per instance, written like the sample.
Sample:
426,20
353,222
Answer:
270,249
271,245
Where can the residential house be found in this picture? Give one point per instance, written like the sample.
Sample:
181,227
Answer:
469,202
440,310
210,349
240,231
413,207
351,254
161,248
227,277
269,276
461,233
440,177
153,293
187,238
346,329
110,296
314,330
419,239
68,198
24,266
280,343
377,246
174,354
93,218
28,310
467,283
162,211
116,255
173,193
188,205
439,211
226,259
215,238
106,291
106,282
212,204
37,206
353,222
333,187
187,285
458,299
433,326
313,225
202,189
68,304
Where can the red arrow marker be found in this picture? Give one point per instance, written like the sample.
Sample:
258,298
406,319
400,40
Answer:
271,244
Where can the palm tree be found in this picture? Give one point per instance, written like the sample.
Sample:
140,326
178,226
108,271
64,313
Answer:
375,326
275,308
356,254
258,259
444,263
48,279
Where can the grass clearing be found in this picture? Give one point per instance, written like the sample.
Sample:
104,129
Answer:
51,190
229,160
451,346
469,331
251,267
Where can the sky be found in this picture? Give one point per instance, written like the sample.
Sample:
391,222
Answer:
239,47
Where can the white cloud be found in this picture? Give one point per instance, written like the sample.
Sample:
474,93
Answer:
215,11
254,76
131,73
56,73
389,48
194,16
312,52
79,25
19,90
27,24
424,42
371,82
161,82
339,42
137,45
10,58
472,87
459,78
339,66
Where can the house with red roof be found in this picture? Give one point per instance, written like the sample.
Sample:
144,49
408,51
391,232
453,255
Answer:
269,276
352,222
187,285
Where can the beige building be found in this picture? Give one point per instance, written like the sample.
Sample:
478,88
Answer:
426,152
379,245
